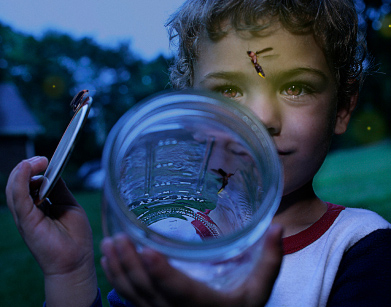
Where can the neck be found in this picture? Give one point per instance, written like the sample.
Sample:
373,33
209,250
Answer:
299,210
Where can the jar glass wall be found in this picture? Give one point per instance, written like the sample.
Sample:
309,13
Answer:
195,177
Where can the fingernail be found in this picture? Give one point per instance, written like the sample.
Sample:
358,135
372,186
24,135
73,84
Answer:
38,177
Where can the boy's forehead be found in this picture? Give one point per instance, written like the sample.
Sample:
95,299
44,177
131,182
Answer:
224,28
281,50
277,41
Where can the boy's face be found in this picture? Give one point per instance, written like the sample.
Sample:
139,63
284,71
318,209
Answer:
296,101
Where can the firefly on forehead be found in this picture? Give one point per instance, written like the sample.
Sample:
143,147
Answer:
254,60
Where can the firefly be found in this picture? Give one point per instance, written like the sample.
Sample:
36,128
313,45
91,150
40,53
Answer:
224,176
78,101
254,60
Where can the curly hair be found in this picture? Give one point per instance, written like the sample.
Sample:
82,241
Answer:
334,24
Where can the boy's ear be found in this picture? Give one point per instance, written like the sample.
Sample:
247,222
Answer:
344,113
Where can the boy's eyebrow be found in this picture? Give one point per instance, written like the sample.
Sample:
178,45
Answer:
227,75
238,75
304,70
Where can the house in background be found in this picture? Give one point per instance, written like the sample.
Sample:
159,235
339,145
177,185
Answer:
18,128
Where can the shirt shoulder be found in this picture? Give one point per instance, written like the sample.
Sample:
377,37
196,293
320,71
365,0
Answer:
349,224
364,273
353,224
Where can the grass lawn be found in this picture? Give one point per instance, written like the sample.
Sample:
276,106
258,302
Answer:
21,278
358,177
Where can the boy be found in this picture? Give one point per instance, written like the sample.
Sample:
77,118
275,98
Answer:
311,63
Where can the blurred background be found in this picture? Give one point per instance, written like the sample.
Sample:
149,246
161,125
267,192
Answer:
119,50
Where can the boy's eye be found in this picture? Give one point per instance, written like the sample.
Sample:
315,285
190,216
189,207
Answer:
294,90
229,92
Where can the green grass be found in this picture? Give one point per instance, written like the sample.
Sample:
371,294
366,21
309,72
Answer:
358,177
21,278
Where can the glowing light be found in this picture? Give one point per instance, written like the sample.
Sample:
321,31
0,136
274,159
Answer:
54,86
369,128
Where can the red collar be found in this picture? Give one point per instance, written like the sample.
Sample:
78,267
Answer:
304,238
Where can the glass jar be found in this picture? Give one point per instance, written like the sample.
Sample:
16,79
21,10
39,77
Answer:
195,177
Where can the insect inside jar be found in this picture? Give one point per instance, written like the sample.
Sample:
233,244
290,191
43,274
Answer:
254,59
78,101
224,176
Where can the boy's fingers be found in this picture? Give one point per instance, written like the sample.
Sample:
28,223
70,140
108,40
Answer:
112,266
262,280
116,272
38,165
35,183
34,165
132,265
19,200
60,194
125,271
177,288
18,186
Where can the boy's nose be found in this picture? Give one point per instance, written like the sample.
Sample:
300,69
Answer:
268,110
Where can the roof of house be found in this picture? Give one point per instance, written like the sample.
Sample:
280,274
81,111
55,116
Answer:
15,116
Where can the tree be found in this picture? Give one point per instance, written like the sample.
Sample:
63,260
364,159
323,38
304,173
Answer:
50,71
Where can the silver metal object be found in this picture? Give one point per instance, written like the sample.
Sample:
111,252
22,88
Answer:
64,150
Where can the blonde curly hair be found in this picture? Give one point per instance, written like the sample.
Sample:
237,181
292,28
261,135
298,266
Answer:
334,24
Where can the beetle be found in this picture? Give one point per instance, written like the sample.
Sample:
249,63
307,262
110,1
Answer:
78,101
254,60
224,176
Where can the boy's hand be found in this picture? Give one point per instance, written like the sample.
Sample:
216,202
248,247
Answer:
59,236
148,279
